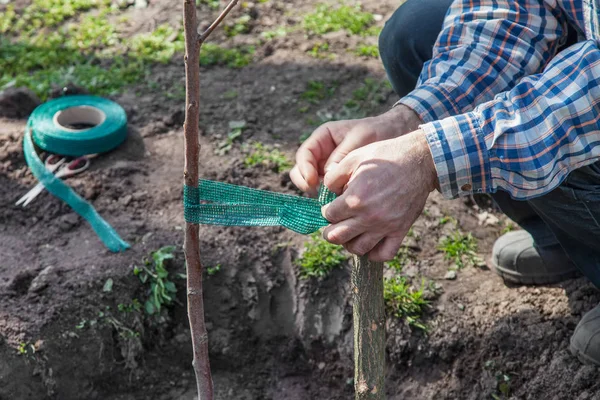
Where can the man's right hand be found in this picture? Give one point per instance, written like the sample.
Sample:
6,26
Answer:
332,141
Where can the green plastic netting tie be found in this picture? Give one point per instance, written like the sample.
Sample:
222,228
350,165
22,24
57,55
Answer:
218,203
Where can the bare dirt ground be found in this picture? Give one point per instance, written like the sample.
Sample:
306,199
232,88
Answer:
271,334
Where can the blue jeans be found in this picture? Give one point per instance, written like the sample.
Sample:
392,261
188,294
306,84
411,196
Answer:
568,217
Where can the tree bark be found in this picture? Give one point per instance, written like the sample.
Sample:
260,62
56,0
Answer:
369,329
192,243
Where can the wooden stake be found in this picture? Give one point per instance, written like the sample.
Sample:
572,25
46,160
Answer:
369,329
193,44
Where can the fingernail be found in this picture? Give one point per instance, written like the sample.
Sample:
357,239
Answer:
324,210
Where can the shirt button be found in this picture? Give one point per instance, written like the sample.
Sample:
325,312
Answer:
465,188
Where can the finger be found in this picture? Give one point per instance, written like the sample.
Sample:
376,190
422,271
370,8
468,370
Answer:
298,180
314,152
342,232
386,249
340,209
364,243
337,178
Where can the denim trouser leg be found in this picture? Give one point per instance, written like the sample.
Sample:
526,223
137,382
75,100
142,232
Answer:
569,215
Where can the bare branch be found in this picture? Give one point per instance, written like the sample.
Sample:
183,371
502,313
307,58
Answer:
202,38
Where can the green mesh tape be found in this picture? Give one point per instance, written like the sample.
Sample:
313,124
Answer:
217,203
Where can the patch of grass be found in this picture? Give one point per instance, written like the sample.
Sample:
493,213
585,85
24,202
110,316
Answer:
236,128
316,91
509,227
134,306
400,260
319,50
230,94
329,19
447,219
161,291
213,270
319,257
275,33
238,26
370,95
404,301
460,248
159,45
365,50
213,54
214,4
44,14
267,155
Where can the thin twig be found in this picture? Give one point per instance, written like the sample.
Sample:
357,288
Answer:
220,18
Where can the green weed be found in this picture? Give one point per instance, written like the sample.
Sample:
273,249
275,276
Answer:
213,270
267,155
159,45
370,95
213,54
328,19
135,305
365,50
460,248
236,128
509,227
276,33
230,94
238,26
404,301
319,257
447,219
316,91
162,291
319,50
25,349
214,4
503,380
400,260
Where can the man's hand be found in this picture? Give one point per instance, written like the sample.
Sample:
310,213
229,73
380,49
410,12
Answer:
385,186
332,141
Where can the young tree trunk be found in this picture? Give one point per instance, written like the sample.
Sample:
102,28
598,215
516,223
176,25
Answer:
193,44
369,329
190,176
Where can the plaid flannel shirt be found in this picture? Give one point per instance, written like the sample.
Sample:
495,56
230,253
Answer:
504,109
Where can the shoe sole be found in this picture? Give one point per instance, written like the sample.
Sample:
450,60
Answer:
515,277
584,359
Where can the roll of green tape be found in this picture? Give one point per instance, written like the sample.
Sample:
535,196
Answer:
58,126
54,125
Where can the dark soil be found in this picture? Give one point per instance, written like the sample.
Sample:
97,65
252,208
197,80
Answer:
271,335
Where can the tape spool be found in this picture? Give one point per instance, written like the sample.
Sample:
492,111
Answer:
76,126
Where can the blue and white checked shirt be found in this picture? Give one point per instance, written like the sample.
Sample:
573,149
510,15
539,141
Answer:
503,108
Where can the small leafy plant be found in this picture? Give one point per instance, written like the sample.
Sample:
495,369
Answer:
404,301
267,155
213,270
365,50
460,248
154,272
328,19
320,257
316,91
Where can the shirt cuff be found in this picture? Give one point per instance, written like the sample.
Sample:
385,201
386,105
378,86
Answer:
431,102
460,155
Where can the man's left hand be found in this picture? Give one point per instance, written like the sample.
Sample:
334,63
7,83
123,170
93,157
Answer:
385,186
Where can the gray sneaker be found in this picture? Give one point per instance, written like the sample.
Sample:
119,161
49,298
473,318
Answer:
516,259
585,342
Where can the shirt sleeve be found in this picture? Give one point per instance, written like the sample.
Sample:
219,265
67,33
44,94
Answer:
484,48
526,140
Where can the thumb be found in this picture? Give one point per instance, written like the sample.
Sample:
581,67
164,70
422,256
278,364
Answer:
338,154
339,174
